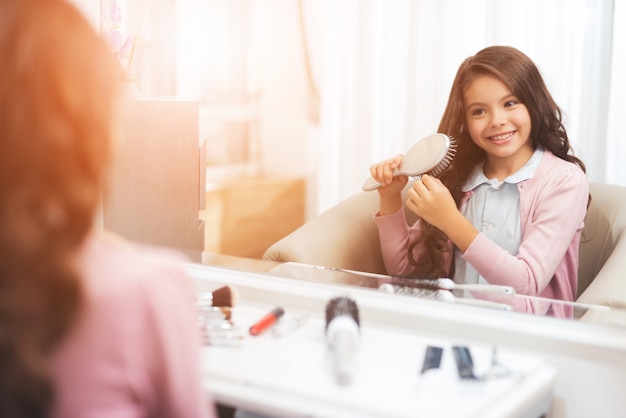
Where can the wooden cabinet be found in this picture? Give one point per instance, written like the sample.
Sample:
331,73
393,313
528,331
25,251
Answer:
158,192
244,216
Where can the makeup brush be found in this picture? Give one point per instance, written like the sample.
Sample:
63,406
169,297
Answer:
225,296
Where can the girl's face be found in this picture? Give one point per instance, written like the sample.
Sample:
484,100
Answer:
499,124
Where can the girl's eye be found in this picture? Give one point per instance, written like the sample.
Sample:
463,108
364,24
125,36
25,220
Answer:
477,112
511,103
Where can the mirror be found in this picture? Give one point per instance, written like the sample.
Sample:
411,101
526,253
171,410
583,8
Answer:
255,73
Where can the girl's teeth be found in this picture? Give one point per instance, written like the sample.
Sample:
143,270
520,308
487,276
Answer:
501,137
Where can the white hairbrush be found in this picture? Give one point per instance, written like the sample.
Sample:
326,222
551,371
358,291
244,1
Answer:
432,155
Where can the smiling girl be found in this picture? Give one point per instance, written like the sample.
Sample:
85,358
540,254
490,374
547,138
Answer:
510,208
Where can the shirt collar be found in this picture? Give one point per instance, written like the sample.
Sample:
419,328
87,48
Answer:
477,177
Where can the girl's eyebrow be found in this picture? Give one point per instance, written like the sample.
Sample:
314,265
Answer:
474,104
502,99
509,96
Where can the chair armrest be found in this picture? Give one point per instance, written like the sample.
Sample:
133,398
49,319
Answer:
344,236
609,286
604,223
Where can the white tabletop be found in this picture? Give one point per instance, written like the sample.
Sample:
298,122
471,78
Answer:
293,376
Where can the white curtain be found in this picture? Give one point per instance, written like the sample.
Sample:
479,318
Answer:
615,169
387,68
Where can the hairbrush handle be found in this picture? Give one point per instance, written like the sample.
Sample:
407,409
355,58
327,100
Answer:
448,284
342,334
371,184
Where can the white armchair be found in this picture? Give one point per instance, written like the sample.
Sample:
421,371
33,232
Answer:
345,236
602,266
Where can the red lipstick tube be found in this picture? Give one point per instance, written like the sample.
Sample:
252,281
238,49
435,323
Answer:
267,321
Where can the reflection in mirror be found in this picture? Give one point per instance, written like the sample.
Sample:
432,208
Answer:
276,156
345,237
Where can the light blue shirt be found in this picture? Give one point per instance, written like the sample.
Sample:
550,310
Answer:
494,209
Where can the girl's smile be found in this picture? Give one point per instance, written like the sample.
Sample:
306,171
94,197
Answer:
501,138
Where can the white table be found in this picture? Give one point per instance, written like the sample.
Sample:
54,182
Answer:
292,376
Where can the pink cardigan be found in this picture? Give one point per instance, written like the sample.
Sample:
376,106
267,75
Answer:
553,207
135,350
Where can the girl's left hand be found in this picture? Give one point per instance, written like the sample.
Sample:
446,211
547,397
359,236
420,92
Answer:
431,201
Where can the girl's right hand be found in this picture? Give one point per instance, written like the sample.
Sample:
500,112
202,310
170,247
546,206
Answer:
383,171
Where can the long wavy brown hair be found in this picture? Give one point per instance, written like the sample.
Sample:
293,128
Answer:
518,72
58,83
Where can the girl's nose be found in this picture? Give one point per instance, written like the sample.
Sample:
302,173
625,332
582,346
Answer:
498,118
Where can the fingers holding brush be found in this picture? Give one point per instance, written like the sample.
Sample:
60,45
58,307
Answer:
431,200
383,171
386,173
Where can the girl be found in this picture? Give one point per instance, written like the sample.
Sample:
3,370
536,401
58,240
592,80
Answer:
510,208
89,325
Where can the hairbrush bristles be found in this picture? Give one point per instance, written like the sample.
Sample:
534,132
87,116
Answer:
406,282
340,306
447,160
420,292
224,296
